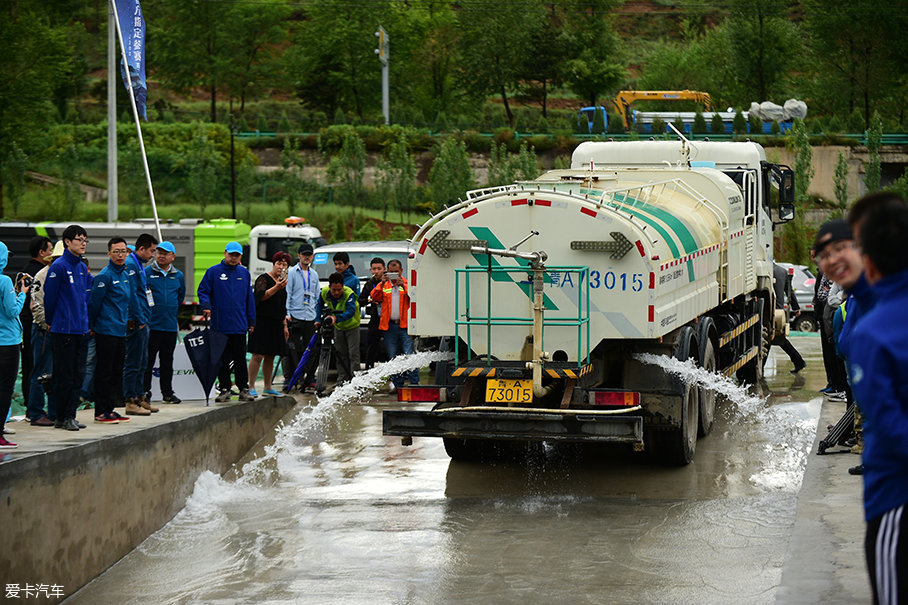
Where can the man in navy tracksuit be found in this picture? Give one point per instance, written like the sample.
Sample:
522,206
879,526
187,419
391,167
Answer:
66,311
878,356
137,330
168,288
225,294
108,311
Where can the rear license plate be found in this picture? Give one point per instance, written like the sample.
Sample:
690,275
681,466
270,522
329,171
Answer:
509,391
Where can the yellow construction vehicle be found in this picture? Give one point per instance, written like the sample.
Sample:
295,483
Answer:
625,98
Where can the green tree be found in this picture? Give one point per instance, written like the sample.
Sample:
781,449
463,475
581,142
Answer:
496,64
763,44
840,182
13,176
598,122
799,143
347,168
366,232
754,123
34,60
739,124
396,175
203,165
699,125
219,47
716,124
874,140
450,176
293,165
596,66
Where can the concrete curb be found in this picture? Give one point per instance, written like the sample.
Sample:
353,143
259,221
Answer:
77,507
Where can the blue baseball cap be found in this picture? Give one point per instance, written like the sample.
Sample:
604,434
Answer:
131,247
233,247
167,246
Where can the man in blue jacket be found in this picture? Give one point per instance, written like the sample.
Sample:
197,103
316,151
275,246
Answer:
168,288
137,327
108,310
878,355
342,265
225,294
66,312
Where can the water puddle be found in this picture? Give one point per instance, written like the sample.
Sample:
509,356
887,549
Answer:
788,438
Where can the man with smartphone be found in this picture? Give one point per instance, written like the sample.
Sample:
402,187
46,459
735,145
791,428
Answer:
392,295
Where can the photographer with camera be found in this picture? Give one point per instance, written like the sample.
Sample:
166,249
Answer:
12,298
393,296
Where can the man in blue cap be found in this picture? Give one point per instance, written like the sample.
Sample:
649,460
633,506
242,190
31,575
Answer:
168,289
225,294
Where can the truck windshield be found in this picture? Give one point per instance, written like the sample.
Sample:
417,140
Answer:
323,263
267,246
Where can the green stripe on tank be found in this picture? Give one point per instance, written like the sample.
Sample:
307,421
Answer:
681,230
486,234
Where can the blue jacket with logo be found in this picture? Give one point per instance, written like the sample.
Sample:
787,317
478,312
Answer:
168,290
10,305
139,311
227,292
878,356
350,280
108,306
66,290
861,299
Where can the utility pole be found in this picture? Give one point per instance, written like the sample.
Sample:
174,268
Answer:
232,171
112,210
384,54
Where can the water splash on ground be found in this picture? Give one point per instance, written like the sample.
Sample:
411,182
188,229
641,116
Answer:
784,453
318,417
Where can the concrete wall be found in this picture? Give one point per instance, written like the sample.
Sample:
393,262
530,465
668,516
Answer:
71,513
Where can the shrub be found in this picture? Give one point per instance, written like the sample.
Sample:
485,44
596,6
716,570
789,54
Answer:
716,124
739,124
699,126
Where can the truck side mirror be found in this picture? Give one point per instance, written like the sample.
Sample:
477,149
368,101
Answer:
786,189
786,212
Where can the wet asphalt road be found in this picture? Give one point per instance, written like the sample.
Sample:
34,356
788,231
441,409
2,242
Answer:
349,516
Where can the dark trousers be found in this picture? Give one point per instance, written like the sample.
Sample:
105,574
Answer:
301,332
886,549
234,352
9,368
163,344
111,355
70,351
835,367
792,353
28,363
373,339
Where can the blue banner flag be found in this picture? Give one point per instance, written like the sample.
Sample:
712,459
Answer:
132,26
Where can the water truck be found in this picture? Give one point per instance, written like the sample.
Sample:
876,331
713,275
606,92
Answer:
549,289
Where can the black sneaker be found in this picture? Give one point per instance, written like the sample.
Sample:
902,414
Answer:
171,399
70,424
856,470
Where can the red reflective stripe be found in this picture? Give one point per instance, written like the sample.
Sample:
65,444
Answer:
588,212
422,248
652,313
652,280
518,202
470,213
543,203
412,277
640,247
413,310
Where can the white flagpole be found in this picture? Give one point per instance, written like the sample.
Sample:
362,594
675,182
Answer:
135,113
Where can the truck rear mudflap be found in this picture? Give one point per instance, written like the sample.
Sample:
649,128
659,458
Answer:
518,424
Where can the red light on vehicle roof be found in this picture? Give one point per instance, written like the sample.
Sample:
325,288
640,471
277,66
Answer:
615,398
431,394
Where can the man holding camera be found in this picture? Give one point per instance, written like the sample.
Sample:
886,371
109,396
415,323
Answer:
338,306
393,296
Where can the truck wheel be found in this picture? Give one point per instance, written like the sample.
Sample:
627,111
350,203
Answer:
707,396
462,449
676,445
804,323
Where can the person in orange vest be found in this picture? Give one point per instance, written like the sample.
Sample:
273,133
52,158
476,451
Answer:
392,294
